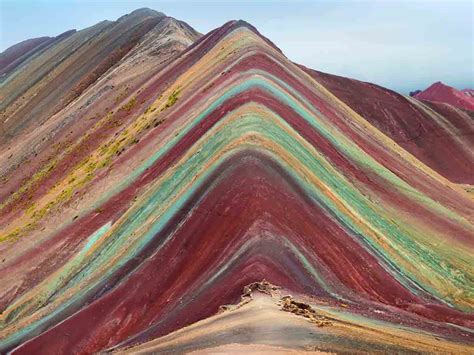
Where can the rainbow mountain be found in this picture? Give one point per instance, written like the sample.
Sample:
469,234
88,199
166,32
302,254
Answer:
204,193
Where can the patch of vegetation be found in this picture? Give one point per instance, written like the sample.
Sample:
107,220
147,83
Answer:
120,96
150,109
91,167
38,176
173,98
13,235
84,171
129,105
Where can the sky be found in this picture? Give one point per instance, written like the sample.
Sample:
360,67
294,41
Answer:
400,44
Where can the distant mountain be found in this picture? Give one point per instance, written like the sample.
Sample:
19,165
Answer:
439,92
167,192
443,144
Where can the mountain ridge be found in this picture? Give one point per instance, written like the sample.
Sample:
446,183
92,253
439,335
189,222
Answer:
411,124
225,165
439,92
103,44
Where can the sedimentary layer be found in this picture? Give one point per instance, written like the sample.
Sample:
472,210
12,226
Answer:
438,134
224,166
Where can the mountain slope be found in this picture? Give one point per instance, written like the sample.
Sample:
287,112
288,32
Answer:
224,167
265,322
439,92
51,80
13,56
440,136
31,149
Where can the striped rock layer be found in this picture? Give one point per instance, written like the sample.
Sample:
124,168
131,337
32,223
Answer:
226,166
58,71
431,131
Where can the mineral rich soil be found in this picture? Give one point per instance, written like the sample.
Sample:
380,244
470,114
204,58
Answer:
167,191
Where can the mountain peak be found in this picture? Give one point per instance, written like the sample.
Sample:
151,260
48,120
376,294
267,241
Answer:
440,92
234,25
143,12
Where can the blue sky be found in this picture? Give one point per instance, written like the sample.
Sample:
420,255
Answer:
399,44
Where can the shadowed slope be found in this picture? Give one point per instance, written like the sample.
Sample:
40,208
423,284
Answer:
228,166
